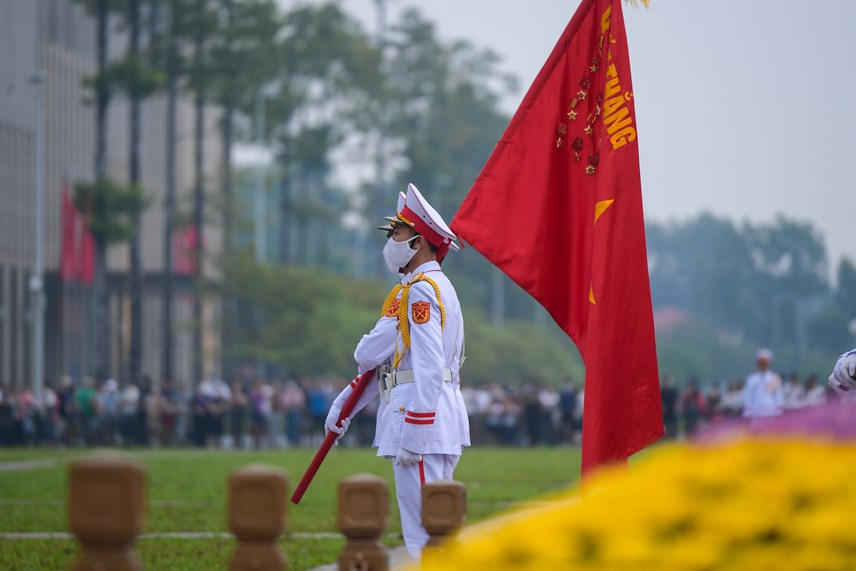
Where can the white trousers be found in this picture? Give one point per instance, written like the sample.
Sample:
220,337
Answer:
408,489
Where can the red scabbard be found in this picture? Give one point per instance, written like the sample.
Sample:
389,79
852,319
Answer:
330,439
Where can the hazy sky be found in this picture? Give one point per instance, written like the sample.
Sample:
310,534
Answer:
745,108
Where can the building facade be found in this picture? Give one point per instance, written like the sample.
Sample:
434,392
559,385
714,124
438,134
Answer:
58,37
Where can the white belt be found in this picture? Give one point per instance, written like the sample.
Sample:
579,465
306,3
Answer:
389,381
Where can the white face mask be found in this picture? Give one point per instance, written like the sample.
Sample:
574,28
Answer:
398,254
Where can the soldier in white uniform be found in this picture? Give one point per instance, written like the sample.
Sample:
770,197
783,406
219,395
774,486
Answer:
763,394
417,346
843,377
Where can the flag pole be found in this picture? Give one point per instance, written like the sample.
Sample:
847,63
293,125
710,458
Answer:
331,437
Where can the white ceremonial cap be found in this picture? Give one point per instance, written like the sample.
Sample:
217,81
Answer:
422,217
415,211
765,354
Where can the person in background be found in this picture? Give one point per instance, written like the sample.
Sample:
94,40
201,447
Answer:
669,399
7,416
567,403
169,412
794,393
238,412
815,393
732,400
50,412
108,404
763,395
86,401
128,403
693,406
260,409
67,411
292,401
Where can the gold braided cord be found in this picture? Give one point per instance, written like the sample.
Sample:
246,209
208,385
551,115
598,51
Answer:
403,326
389,299
439,301
646,3
403,320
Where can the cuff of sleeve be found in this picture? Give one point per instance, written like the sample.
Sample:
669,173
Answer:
415,437
343,396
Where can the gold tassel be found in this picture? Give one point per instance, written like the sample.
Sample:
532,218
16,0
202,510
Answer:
635,3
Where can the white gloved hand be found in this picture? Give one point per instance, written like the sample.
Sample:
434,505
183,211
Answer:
332,419
843,377
407,458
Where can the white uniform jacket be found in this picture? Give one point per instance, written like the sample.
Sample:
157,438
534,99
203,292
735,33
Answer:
426,416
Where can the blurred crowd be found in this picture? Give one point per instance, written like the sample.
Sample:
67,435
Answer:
256,413
251,413
688,408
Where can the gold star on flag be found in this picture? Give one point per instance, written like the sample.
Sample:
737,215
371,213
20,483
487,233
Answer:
593,67
572,115
589,130
599,209
590,169
581,95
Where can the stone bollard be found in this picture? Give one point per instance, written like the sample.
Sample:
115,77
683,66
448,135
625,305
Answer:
444,509
257,517
106,510
363,517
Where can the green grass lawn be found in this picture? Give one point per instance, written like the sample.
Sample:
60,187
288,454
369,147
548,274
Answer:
187,493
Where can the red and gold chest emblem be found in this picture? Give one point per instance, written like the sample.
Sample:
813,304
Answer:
420,311
393,308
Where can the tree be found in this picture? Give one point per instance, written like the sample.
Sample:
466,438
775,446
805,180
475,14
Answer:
138,80
104,201
328,73
193,23
438,108
312,324
845,293
169,47
789,259
110,208
247,33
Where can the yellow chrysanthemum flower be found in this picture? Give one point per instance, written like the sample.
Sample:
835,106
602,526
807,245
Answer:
753,504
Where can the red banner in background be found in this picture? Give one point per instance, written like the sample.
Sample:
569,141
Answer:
77,256
184,251
558,208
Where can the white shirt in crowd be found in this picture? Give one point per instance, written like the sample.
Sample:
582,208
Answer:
763,394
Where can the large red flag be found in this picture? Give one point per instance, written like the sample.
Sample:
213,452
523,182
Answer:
558,208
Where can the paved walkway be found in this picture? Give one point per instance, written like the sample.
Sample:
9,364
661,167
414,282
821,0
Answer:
397,558
26,465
